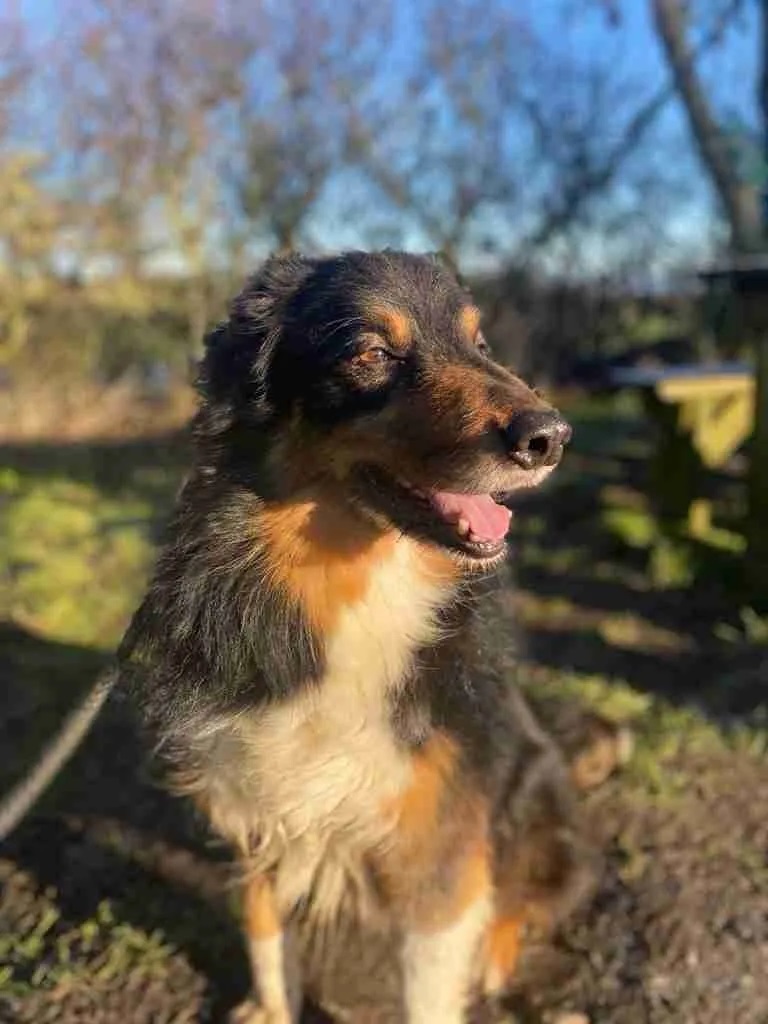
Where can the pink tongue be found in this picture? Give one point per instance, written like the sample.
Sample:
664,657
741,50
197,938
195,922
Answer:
487,520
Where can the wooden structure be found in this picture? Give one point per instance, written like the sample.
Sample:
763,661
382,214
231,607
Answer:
703,413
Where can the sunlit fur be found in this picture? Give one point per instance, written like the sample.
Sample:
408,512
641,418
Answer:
305,656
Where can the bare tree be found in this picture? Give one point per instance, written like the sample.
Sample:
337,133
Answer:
29,214
499,138
148,88
186,134
438,144
741,200
311,59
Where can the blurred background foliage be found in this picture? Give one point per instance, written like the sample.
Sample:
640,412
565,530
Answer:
575,158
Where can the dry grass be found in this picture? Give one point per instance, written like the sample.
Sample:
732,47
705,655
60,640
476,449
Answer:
80,410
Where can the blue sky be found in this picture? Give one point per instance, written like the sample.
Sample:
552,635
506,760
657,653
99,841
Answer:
580,29
577,25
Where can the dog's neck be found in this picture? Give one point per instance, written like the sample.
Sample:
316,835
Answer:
326,554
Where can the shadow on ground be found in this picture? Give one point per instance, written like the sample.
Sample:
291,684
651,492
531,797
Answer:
107,832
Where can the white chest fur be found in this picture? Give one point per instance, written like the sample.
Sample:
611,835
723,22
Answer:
302,784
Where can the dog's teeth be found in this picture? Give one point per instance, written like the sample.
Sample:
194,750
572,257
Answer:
474,539
463,528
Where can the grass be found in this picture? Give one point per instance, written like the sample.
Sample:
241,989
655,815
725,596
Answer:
52,956
76,544
73,559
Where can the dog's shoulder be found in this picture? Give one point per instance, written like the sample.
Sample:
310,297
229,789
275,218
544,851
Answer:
211,629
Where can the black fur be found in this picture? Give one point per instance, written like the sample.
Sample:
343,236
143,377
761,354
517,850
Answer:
210,635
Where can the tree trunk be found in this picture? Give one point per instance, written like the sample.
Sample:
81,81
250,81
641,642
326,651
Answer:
741,201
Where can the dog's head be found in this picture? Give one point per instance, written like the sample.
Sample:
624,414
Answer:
368,373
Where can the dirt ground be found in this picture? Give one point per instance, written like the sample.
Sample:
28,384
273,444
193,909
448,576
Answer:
116,907
678,930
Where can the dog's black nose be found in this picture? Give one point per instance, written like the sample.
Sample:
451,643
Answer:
536,439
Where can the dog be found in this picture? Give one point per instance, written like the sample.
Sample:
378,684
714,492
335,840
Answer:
304,657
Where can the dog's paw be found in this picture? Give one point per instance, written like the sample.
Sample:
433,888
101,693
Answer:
249,1012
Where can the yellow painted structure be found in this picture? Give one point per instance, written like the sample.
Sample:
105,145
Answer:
718,412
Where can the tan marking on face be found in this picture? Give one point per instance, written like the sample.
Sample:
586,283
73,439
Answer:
461,401
302,455
396,325
467,401
469,321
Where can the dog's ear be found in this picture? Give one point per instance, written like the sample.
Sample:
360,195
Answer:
238,351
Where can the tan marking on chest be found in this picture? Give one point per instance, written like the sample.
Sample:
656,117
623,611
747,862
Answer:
322,554
417,806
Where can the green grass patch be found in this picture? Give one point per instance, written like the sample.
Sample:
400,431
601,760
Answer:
45,953
72,559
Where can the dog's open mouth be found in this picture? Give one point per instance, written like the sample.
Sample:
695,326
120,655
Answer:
476,525
478,517
479,521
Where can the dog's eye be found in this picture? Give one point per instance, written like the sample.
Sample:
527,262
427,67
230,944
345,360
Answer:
373,356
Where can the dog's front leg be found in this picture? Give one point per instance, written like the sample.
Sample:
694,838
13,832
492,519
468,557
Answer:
440,955
273,958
